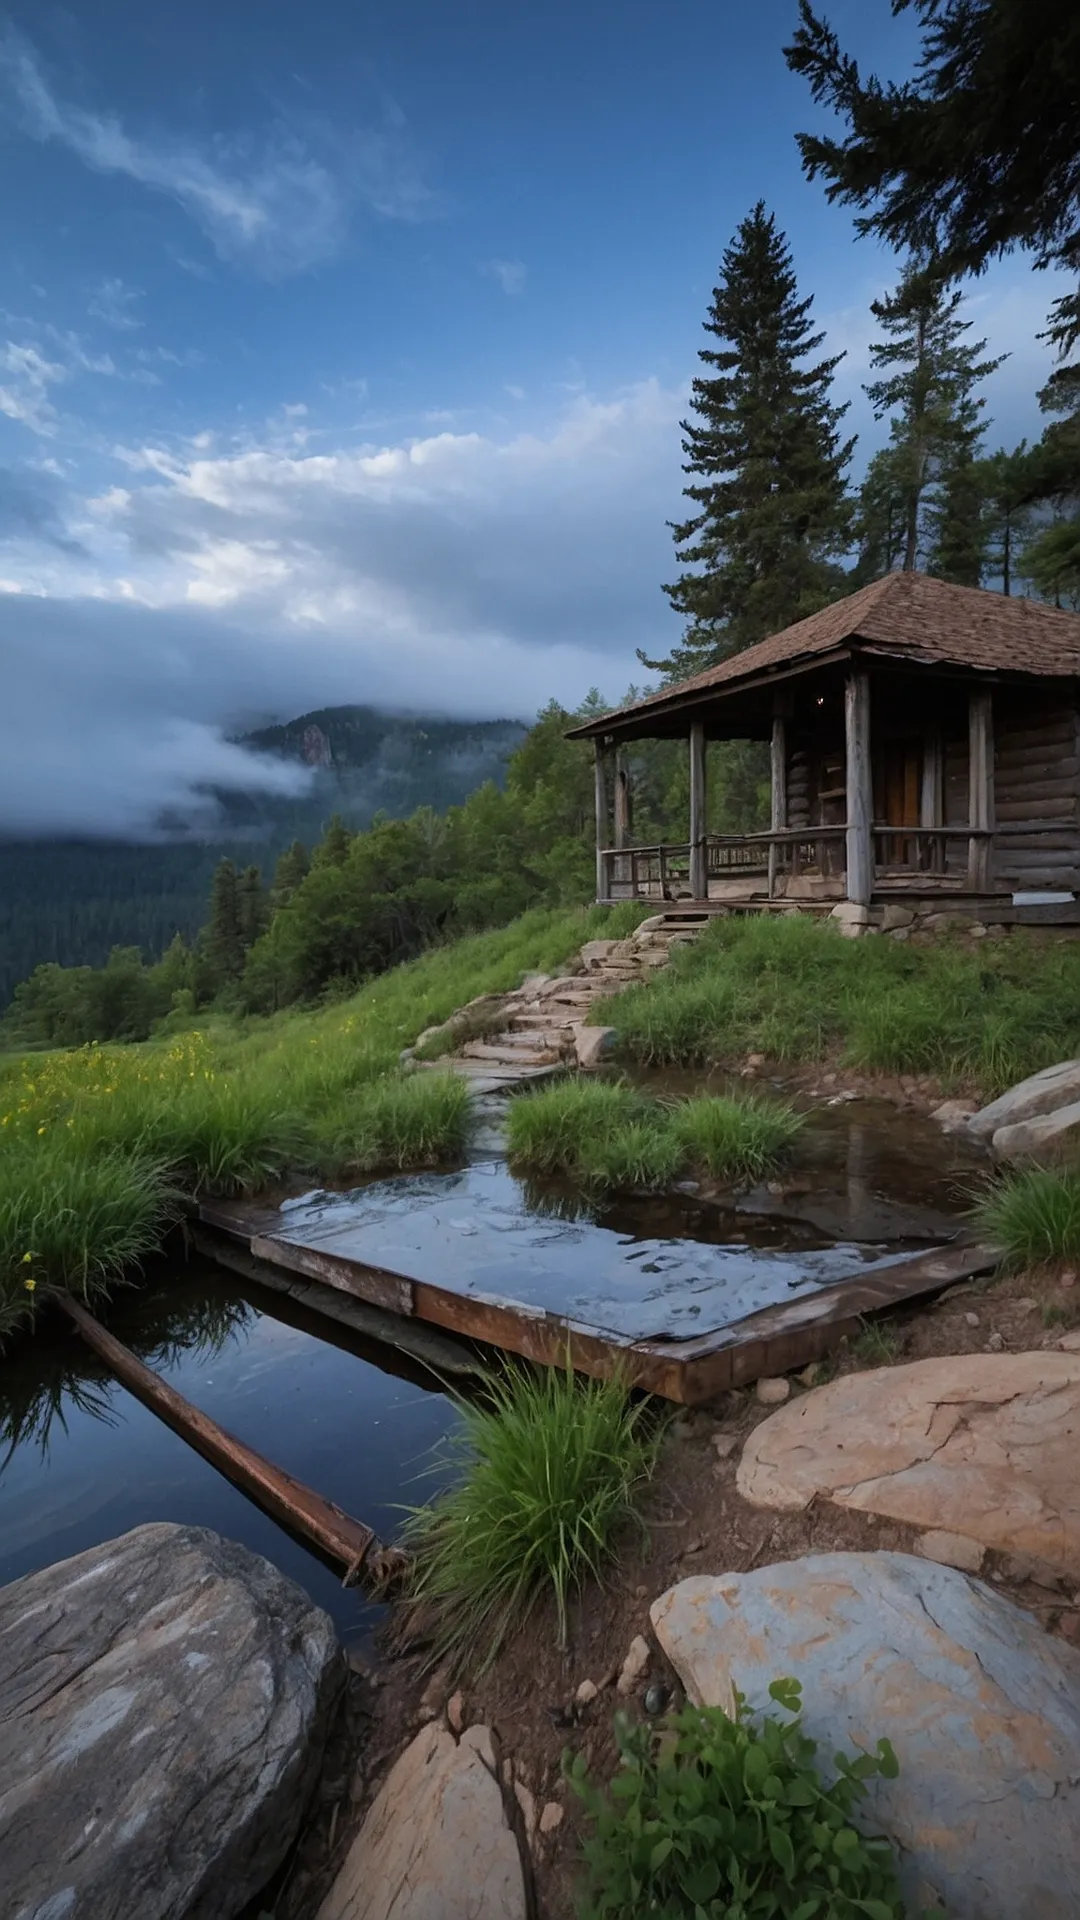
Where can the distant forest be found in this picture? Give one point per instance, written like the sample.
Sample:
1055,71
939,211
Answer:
72,902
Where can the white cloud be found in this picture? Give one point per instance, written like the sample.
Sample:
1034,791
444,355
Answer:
510,274
273,205
114,302
458,573
24,394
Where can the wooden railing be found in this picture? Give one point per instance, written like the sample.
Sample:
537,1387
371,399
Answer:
662,872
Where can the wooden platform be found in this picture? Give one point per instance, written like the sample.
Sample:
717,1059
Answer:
690,1371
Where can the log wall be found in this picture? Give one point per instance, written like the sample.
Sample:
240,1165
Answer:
1037,791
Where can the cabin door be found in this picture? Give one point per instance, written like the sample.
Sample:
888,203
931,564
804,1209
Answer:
897,781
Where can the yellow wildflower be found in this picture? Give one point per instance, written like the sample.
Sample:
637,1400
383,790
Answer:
30,1284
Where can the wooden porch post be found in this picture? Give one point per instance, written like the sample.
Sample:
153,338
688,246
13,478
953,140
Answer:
623,806
699,884
931,809
778,810
980,783
600,789
860,791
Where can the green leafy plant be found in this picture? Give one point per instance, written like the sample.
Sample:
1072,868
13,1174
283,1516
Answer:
877,1343
1033,1215
711,1818
735,1139
547,1468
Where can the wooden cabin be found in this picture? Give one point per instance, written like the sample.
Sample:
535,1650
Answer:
925,747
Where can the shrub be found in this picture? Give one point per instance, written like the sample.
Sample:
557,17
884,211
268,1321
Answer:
547,1469
728,1819
1033,1215
736,1139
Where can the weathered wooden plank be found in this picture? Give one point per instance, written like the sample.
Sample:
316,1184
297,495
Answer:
980,782
859,787
319,1521
382,1288
699,886
1049,737
601,809
1019,774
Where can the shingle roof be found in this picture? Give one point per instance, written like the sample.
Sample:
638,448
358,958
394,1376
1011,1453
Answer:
929,622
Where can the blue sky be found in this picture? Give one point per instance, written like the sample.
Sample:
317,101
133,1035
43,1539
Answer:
343,349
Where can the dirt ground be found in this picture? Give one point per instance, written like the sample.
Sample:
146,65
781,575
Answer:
696,1522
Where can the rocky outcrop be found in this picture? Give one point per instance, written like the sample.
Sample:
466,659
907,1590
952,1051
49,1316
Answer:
1040,1093
436,1843
163,1704
982,1445
981,1706
1044,1137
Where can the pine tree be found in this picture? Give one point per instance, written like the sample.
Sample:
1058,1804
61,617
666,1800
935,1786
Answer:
1009,484
290,870
252,906
928,373
879,518
771,509
333,848
221,936
959,525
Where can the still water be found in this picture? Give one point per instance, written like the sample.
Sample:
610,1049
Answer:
82,1461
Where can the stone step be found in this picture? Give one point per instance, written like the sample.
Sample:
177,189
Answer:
509,1056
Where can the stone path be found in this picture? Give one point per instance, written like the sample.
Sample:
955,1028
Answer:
436,1844
543,1028
164,1703
981,1706
982,1446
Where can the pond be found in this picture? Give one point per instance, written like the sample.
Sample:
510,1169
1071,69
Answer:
82,1461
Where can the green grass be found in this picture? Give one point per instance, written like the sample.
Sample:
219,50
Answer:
730,1138
231,1107
548,1469
978,1017
74,1222
608,1135
1033,1215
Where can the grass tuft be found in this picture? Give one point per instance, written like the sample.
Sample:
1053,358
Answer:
548,1469
735,1139
1033,1215
415,1120
609,1135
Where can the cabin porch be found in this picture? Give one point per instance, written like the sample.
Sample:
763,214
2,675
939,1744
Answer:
886,784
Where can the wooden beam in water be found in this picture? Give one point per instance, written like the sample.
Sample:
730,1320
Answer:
336,1534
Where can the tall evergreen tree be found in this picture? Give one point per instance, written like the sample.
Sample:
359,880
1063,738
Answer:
291,868
928,373
1009,484
222,940
252,906
770,505
879,517
333,848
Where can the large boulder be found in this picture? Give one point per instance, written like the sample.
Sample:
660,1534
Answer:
163,1702
981,1706
1040,1093
981,1444
436,1844
1046,1136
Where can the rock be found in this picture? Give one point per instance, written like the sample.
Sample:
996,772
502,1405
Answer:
851,919
953,1115
810,1375
1067,1279
725,1444
996,1342
981,1705
164,1701
900,933
455,1711
593,1044
595,952
436,1841
972,1319
894,918
587,1691
551,1817
1041,1137
1070,1342
979,1444
634,1665
947,922
772,1392
1040,1093
952,1550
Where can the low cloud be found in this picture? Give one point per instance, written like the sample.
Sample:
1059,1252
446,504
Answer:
510,274
458,573
273,204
